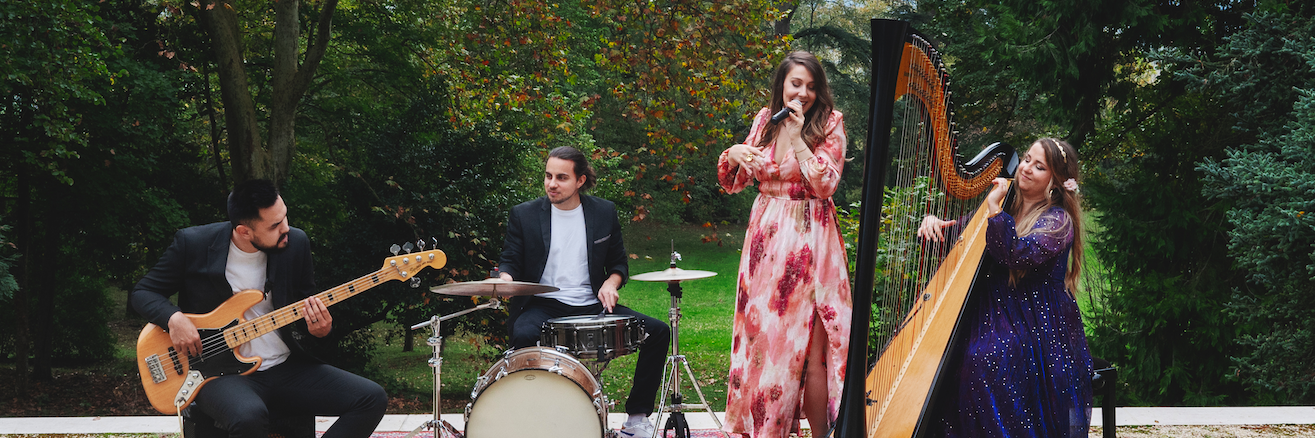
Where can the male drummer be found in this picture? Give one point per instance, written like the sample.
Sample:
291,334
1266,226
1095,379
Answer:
573,241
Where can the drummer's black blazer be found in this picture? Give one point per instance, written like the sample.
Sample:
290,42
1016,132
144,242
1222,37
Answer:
529,228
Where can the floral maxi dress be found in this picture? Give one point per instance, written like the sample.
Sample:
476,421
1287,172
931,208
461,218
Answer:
792,268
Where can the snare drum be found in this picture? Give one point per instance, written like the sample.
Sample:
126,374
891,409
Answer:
600,338
536,391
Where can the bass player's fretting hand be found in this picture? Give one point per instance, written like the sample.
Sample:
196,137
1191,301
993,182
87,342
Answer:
183,333
318,320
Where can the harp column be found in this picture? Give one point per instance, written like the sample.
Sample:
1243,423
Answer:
888,38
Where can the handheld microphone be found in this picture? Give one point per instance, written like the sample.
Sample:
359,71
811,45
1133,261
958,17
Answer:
782,114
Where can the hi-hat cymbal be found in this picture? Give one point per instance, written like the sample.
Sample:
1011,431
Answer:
673,274
492,287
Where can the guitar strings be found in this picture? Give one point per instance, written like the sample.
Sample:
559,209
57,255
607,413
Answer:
217,344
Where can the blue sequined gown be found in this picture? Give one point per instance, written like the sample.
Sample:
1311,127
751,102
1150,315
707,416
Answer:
1024,369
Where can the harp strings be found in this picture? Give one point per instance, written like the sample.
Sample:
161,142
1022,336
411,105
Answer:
915,189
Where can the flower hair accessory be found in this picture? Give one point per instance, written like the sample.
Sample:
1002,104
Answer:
1072,186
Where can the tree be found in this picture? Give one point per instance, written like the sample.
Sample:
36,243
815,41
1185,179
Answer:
281,80
1102,74
1025,67
54,55
1269,184
1162,320
683,80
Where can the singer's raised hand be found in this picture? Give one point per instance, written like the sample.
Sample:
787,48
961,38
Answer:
745,156
795,122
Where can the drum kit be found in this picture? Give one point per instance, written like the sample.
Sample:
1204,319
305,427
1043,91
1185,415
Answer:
553,390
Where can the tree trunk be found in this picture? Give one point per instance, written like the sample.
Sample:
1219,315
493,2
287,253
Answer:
1096,70
214,129
24,241
408,339
245,148
283,106
250,157
43,321
782,27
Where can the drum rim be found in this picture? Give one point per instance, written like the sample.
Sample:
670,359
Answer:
591,318
525,350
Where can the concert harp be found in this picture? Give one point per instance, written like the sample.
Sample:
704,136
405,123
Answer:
908,294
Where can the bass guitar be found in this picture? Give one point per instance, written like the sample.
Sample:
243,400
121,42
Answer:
172,380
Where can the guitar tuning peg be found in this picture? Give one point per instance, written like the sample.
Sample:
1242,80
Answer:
421,243
395,249
415,282
408,247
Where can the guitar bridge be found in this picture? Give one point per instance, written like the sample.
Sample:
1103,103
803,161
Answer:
157,369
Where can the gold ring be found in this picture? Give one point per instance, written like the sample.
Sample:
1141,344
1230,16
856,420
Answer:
748,157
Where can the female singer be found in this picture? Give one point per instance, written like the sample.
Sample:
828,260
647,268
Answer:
1024,369
792,306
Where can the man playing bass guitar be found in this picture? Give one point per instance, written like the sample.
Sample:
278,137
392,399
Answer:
256,249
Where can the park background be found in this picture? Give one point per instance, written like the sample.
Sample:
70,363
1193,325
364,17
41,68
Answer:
385,121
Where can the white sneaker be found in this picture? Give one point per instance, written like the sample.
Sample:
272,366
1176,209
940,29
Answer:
642,429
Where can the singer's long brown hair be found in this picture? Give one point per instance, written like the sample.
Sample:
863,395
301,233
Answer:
814,131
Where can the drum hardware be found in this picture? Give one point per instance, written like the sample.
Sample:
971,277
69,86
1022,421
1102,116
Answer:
436,342
671,370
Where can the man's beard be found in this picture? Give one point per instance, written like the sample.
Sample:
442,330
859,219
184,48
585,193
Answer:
272,250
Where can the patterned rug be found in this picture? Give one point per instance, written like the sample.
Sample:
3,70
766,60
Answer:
696,433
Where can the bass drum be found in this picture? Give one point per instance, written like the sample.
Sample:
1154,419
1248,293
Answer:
539,392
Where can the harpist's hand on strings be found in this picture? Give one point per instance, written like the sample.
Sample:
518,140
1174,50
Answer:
999,188
932,228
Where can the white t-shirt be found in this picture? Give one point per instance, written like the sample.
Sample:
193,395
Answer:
568,259
247,271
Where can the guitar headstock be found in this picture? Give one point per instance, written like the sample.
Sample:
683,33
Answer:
409,265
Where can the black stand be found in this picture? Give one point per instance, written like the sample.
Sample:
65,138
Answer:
438,424
671,378
1103,382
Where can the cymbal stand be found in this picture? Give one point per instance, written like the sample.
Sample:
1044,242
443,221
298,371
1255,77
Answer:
671,375
436,362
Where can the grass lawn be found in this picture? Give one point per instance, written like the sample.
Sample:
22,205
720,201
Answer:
705,325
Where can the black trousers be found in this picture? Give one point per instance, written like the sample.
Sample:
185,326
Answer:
241,404
652,353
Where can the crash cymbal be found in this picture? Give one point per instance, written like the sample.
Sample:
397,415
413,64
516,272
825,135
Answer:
492,287
673,274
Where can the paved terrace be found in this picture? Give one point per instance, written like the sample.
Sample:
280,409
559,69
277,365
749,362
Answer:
698,420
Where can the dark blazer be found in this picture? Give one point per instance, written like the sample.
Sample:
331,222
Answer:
193,267
529,229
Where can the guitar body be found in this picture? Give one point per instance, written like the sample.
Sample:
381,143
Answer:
164,373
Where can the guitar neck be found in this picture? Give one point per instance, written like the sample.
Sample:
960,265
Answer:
269,322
